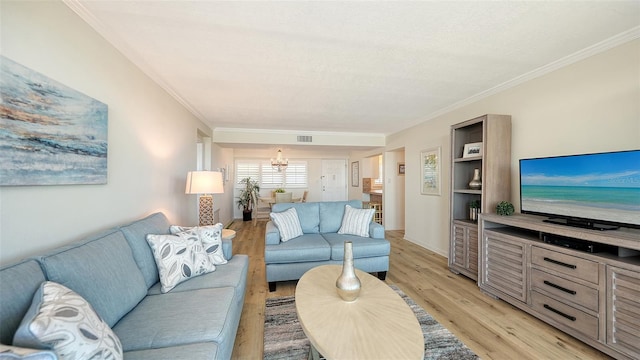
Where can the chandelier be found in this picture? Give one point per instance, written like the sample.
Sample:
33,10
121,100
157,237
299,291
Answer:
279,163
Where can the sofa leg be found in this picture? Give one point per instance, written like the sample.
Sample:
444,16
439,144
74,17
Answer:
382,275
272,286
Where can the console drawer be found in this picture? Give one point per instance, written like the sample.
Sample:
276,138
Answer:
565,314
563,289
566,264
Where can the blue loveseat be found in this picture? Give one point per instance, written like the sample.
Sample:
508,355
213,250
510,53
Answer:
116,273
321,244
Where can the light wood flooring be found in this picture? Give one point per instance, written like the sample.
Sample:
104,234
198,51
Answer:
492,328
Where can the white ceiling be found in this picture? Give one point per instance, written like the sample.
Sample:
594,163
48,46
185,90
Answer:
373,67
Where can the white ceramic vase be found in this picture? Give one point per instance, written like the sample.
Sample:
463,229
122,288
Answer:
348,284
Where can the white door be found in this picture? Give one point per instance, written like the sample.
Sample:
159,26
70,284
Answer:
334,180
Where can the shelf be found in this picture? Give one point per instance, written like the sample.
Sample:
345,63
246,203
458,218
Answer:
473,158
468,191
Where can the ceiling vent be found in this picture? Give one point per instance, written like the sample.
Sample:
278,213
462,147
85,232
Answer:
305,138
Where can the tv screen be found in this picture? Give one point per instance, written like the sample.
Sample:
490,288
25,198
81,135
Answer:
585,189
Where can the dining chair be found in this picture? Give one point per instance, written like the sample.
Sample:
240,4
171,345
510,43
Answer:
261,209
284,197
304,196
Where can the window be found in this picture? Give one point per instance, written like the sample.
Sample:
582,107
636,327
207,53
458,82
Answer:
294,176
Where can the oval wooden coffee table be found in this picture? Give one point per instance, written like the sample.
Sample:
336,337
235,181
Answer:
378,325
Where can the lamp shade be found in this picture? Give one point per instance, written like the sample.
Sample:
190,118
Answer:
204,182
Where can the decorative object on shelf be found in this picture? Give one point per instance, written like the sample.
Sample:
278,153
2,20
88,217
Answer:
355,173
505,208
476,182
400,168
472,150
279,163
348,284
245,199
430,171
51,134
204,183
474,210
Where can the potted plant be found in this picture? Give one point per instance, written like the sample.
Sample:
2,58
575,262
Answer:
505,208
474,209
245,199
280,190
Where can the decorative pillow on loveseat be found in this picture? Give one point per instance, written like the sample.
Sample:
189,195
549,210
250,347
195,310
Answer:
287,223
211,237
18,353
356,221
61,320
179,257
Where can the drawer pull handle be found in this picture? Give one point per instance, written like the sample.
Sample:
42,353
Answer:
572,292
572,318
560,263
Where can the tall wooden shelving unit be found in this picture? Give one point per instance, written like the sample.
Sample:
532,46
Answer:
494,132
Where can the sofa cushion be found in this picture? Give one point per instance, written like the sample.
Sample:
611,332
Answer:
102,270
20,353
308,215
197,351
18,283
356,221
211,237
308,247
287,223
178,318
62,321
233,274
179,257
332,212
362,247
136,234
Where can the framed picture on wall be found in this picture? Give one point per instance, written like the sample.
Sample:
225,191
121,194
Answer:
355,173
430,171
400,168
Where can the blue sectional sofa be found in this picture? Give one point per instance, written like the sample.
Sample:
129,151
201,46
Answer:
321,244
116,273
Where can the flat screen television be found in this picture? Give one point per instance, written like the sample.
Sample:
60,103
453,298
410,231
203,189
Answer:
599,191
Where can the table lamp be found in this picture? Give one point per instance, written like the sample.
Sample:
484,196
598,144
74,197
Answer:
205,183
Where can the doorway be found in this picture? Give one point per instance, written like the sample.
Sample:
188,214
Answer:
334,180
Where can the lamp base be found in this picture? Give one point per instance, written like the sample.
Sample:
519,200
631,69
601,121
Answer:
206,210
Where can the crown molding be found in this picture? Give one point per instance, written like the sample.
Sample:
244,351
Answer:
616,40
119,44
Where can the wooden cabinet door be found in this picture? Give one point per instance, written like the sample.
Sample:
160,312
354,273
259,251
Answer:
504,269
623,311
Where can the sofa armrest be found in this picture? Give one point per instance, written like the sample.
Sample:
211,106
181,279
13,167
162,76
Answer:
271,234
376,231
227,248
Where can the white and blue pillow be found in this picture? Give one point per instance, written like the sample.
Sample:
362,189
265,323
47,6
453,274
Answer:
287,223
356,221
61,320
211,237
179,257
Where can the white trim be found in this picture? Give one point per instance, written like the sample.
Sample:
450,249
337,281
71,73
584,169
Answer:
129,53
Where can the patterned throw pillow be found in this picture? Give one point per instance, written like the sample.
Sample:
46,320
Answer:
356,221
211,237
287,223
179,257
17,353
61,320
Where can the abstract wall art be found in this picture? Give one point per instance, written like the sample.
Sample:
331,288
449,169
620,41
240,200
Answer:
50,134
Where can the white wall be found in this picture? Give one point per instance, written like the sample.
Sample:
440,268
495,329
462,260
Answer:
590,106
151,137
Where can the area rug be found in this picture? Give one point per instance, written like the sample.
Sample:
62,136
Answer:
284,338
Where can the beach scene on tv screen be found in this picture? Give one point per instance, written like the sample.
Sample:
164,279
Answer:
596,186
